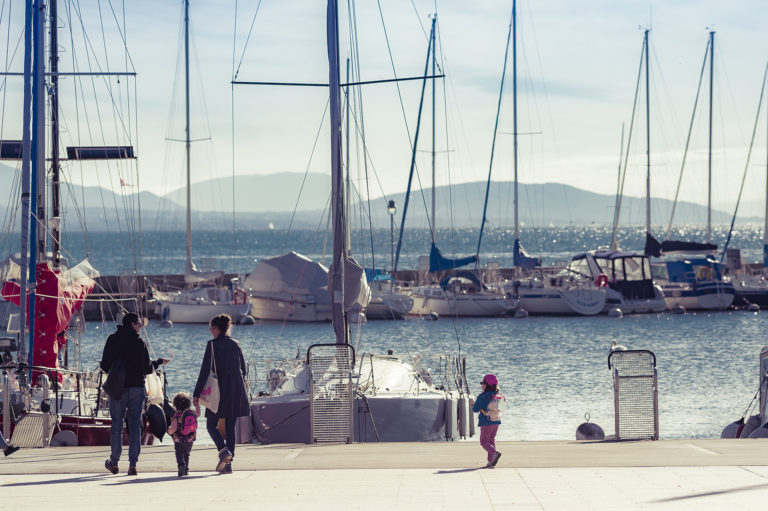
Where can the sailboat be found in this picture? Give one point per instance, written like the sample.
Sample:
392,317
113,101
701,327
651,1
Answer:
569,292
334,394
443,290
750,284
45,399
204,298
689,274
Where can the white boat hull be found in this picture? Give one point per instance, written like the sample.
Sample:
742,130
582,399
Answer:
701,298
201,313
584,301
471,305
615,300
275,309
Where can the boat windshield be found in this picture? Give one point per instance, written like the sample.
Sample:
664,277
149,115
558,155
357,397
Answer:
625,268
579,267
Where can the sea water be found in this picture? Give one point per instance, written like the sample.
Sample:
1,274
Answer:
553,370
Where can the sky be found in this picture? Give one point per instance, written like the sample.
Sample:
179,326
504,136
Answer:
577,68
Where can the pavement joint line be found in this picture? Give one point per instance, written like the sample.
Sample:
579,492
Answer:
293,453
702,449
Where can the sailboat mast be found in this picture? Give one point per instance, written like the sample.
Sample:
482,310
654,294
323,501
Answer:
434,60
647,138
765,227
37,153
616,209
709,152
187,140
340,249
514,115
346,158
55,167
25,175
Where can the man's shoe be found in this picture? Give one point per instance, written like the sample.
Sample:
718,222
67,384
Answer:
186,471
132,470
495,458
111,466
11,449
182,470
227,469
224,458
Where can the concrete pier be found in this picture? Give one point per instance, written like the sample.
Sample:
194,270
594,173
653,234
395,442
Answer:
667,474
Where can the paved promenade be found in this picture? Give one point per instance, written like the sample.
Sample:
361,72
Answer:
668,474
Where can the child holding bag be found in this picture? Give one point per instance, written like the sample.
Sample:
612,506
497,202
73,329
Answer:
487,405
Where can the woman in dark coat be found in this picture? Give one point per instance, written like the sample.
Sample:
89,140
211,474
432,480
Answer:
229,366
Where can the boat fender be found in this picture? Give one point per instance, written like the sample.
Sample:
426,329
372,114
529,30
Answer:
601,280
752,424
521,313
589,431
156,418
432,316
451,418
247,319
464,417
761,432
616,313
64,438
753,307
733,430
166,323
678,309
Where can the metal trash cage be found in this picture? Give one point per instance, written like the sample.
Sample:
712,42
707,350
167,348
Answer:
331,392
635,394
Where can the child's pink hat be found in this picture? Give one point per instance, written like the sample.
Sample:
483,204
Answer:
490,379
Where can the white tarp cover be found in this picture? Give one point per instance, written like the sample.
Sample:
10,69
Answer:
194,276
292,274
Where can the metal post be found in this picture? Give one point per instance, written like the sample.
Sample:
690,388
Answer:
46,415
6,406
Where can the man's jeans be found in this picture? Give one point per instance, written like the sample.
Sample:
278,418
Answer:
128,409
3,443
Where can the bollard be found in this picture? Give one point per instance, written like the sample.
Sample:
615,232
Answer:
46,410
6,406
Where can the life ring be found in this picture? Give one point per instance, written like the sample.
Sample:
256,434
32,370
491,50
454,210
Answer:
601,280
240,297
705,273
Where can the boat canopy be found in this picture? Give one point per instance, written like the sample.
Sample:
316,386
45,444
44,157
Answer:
461,275
292,274
439,263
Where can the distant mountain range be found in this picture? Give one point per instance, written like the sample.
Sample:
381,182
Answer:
262,201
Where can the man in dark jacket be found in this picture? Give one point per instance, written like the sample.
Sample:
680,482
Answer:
125,344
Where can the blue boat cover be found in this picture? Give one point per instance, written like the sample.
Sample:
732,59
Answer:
377,275
461,274
439,263
765,256
522,259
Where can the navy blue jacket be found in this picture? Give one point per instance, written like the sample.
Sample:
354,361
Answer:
229,366
126,344
481,407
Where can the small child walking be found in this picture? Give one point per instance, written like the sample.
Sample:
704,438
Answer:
487,405
183,429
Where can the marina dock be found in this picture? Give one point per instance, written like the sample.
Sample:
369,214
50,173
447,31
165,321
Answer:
665,474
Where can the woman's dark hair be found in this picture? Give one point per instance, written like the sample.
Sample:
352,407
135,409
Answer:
130,318
181,401
222,322
491,388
